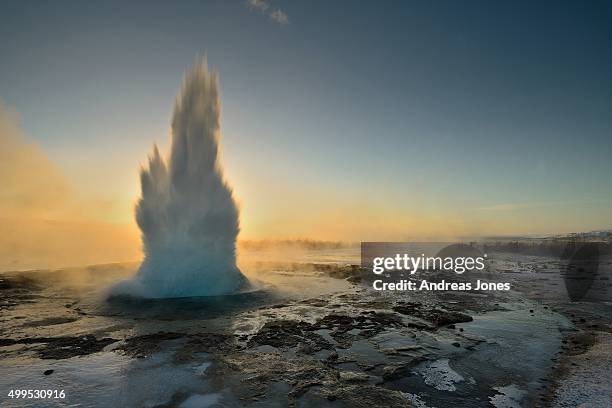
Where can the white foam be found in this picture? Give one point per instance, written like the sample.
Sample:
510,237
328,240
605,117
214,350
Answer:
440,375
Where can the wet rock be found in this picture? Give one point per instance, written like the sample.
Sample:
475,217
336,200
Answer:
369,367
314,302
419,326
395,372
57,348
18,289
278,306
305,348
378,304
401,350
203,343
51,321
7,342
400,370
343,327
285,334
332,358
48,372
262,369
147,344
353,273
365,396
435,316
353,376
580,343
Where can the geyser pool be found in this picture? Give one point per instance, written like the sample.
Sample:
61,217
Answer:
187,214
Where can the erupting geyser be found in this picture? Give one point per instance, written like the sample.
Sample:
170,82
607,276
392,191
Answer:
187,214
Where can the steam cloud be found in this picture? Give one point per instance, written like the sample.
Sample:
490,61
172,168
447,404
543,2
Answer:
187,214
44,223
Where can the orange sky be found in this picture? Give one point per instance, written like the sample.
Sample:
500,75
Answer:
82,213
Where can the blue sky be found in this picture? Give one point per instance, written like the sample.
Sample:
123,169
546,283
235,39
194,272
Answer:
487,116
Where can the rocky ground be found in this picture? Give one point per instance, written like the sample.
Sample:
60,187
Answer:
316,336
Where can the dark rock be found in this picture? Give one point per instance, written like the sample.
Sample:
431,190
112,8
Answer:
285,334
18,289
332,358
437,317
352,376
401,370
144,345
147,344
365,396
263,369
51,321
48,372
368,325
57,348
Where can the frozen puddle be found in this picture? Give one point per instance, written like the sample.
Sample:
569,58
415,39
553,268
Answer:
440,375
108,379
415,400
201,401
509,396
516,344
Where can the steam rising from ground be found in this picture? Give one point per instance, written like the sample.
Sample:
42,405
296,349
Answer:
44,223
187,214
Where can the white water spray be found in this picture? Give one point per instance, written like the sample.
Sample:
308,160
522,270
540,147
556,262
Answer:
187,214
